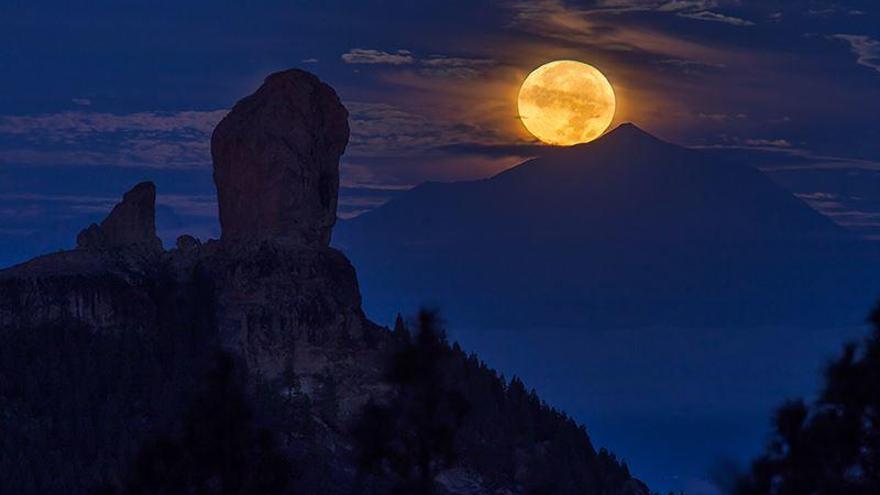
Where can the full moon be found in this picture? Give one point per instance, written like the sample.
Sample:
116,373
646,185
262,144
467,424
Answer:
566,102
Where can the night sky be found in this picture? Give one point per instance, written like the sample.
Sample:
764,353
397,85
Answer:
100,95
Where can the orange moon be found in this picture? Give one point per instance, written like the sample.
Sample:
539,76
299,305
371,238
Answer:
566,102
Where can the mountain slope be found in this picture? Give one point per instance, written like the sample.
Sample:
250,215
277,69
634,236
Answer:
625,230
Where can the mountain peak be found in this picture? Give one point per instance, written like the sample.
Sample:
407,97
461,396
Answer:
132,222
630,133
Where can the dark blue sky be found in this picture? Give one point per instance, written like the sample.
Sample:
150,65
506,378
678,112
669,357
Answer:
97,96
132,89
431,85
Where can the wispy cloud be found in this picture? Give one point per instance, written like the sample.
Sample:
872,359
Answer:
141,139
81,203
866,49
721,117
433,65
590,26
692,67
82,123
833,9
372,57
773,143
791,157
706,15
181,140
846,210
456,67
701,10
380,129
690,63
197,205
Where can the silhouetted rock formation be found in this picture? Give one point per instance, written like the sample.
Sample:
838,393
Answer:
103,284
131,223
276,167
276,161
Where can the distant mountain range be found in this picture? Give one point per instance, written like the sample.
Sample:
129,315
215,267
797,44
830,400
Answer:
626,230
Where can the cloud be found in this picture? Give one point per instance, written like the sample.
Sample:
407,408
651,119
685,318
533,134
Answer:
197,205
141,139
381,129
846,211
677,62
720,117
866,49
691,9
434,65
692,67
775,156
456,67
774,143
83,102
310,61
834,10
181,140
817,196
705,15
821,12
369,56
354,201
83,123
103,203
654,5
590,27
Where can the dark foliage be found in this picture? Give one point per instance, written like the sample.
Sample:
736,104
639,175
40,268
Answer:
134,413
508,434
218,450
512,437
75,405
833,446
414,435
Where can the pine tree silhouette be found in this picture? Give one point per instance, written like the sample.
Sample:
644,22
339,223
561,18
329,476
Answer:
414,435
833,446
218,450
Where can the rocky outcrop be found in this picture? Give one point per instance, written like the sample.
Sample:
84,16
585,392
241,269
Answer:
276,161
76,288
282,294
278,294
131,223
278,305
105,284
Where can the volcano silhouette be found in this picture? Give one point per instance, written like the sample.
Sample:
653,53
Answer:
626,230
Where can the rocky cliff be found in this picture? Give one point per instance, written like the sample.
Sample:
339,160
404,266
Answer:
276,161
271,292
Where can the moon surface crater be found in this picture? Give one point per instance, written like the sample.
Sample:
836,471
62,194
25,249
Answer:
566,102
